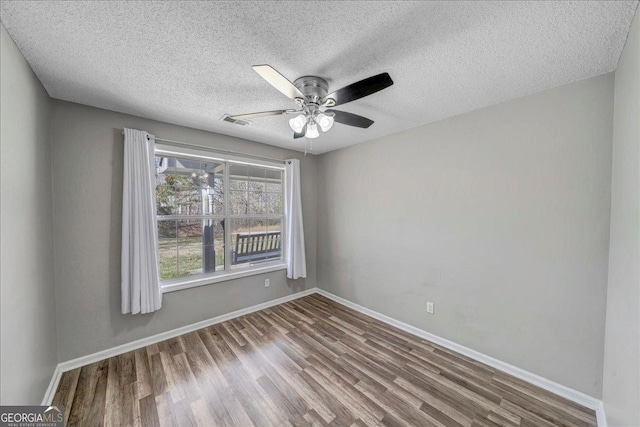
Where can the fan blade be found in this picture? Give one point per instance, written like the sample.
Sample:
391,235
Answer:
260,114
361,89
278,81
350,119
297,135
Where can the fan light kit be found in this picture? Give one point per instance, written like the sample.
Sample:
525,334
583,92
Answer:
311,95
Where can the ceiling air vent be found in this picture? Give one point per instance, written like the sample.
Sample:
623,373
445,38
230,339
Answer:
227,118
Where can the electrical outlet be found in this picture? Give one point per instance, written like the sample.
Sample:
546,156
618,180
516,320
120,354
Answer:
267,283
429,307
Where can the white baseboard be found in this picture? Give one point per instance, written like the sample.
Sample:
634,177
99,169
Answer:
53,386
601,417
134,345
559,389
563,391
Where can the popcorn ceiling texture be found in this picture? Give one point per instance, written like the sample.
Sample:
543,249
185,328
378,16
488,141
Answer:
190,62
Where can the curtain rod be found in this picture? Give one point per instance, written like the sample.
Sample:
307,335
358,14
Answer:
187,144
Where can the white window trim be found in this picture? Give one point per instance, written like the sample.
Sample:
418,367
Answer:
186,283
182,283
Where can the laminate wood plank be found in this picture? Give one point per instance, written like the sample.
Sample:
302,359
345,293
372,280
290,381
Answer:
184,414
152,349
94,415
291,352
249,326
343,416
550,403
149,412
175,346
158,377
431,403
122,406
341,327
84,395
307,362
394,405
66,391
236,411
164,406
233,327
540,393
478,400
527,419
204,415
541,409
315,420
329,368
240,381
287,378
485,389
362,376
275,316
461,360
207,374
174,380
500,420
144,383
346,325
259,323
360,405
443,364
292,408
276,325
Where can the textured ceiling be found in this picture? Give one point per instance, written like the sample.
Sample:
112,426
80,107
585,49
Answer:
190,62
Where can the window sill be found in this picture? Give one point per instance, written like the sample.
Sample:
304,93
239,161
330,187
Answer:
222,277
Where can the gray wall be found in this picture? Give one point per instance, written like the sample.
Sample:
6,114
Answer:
28,346
621,392
499,216
87,188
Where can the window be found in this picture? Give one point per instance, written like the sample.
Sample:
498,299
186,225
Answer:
218,217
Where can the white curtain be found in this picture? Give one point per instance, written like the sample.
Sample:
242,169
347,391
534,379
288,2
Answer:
140,275
294,231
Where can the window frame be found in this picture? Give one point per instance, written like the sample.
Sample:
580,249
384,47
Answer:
202,279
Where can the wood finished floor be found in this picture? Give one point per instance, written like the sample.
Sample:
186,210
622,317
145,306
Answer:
308,362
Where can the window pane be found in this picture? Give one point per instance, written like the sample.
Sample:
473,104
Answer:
256,177
272,203
273,186
188,187
214,197
274,231
187,201
239,242
213,188
273,192
167,250
274,224
238,203
199,247
258,230
255,203
255,241
190,242
238,177
212,245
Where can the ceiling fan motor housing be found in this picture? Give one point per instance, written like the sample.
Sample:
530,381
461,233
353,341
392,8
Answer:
314,88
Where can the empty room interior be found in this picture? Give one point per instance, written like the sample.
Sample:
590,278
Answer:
320,213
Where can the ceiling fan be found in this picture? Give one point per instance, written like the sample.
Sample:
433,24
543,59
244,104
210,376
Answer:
311,95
